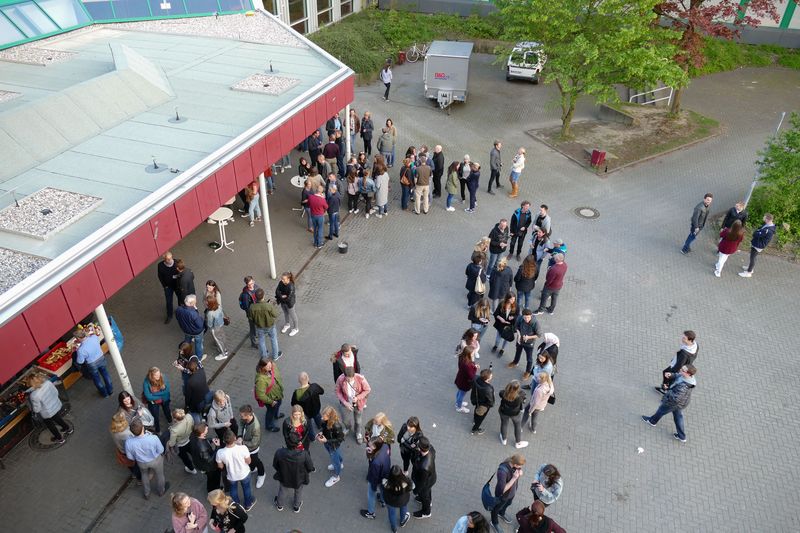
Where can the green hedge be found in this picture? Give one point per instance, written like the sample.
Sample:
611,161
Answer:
723,55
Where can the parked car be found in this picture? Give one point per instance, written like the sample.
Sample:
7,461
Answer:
525,62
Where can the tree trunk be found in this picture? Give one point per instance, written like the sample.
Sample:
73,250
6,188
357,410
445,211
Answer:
675,108
567,110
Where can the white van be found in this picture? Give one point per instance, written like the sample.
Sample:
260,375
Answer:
525,62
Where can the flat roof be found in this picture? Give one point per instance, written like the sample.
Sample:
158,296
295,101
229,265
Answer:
450,49
104,105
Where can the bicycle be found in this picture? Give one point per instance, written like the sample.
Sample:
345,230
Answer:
415,52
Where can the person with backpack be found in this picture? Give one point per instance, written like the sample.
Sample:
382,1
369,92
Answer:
268,391
508,474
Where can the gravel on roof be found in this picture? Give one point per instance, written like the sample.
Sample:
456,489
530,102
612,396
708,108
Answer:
16,266
46,211
266,84
5,96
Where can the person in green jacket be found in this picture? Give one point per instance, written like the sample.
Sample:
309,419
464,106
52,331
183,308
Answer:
269,391
263,313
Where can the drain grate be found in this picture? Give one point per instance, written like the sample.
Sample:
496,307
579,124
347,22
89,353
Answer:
586,212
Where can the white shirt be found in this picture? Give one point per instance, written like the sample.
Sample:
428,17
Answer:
518,163
234,460
386,75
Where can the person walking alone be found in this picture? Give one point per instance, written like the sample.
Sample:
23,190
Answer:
761,238
495,166
286,295
675,400
508,474
386,79
698,222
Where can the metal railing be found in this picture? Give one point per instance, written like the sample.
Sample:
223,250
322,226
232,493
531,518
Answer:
653,92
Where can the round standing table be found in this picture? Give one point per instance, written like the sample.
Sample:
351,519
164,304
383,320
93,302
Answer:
221,216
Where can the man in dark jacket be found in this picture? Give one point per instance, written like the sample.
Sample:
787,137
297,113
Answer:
508,474
185,281
699,216
438,170
495,164
380,462
761,238
498,242
676,400
168,276
424,476
520,222
482,397
334,200
204,451
685,356
292,467
314,146
307,397
246,299
249,434
192,324
527,331
737,212
198,395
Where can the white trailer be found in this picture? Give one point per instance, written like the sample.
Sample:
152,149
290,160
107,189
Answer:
446,72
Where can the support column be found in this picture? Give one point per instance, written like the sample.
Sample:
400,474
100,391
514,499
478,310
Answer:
113,349
262,195
348,148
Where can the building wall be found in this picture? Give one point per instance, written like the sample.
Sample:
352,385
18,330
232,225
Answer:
307,16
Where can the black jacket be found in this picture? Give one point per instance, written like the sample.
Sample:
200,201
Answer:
500,283
309,400
682,358
699,216
472,273
438,164
338,366
520,219
732,215
285,294
397,497
512,316
233,518
424,472
497,236
514,407
334,435
292,467
203,453
408,447
167,275
482,393
523,284
196,391
287,428
185,285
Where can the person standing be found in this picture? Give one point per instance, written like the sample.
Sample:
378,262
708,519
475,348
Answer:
512,399
227,516
498,242
185,281
479,315
422,187
532,520
197,394
737,212
168,277
539,399
473,182
675,400
393,138
698,222
331,153
366,187
508,474
517,166
384,144
297,423
215,322
438,170
495,165
204,452
286,295
331,436
761,238
543,220
520,222
525,280
408,439
317,206
406,183
367,127
235,459
334,199
314,146
246,299
547,484
463,173
526,331
180,433
307,397
269,392
263,314
467,369
355,128
45,403
253,207
352,390
423,475
248,433
685,356
729,241
146,449
381,178
472,522
482,397
452,185
347,356
292,467
554,281
89,352
475,273
380,461
192,324
120,432
505,315
386,79
500,282
397,493
220,415
188,514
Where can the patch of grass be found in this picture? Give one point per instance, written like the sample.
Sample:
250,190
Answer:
723,55
789,58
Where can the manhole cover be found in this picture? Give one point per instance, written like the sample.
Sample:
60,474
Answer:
587,212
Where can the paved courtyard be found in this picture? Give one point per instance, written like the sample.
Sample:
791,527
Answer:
399,295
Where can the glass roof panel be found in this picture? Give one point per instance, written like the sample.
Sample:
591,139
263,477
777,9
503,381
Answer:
30,19
8,33
66,13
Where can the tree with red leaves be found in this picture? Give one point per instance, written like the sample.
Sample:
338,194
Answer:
696,19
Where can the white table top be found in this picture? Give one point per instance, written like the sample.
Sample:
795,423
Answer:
298,182
223,213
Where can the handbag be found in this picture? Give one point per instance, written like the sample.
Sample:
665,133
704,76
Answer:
480,286
507,333
226,320
481,410
551,399
123,459
487,496
146,417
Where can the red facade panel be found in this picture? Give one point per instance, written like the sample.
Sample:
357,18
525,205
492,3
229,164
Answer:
141,248
321,111
348,90
226,183
243,168
258,157
188,212
273,146
49,318
310,119
208,197
287,138
332,102
113,269
165,229
298,129
83,292
19,348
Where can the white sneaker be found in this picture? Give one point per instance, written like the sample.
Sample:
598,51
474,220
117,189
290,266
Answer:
350,211
744,267
190,471
717,273
221,357
294,332
355,212
260,481
367,215
451,209
521,444
477,355
285,328
503,441
332,481
463,409
746,274
464,404
379,215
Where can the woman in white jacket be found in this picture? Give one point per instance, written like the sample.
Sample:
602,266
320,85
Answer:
517,166
381,178
45,402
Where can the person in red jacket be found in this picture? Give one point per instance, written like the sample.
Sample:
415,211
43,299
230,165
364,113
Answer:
730,239
318,206
532,520
467,369
552,285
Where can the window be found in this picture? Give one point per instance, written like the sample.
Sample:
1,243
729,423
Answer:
301,27
271,6
324,12
8,33
234,5
131,9
298,17
99,9
347,7
66,13
30,19
202,6
163,8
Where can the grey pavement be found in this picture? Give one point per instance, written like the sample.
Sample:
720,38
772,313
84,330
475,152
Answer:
399,295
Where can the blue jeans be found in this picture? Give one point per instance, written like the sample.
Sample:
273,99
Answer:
371,496
450,199
308,216
460,397
497,340
395,515
271,415
197,340
405,196
689,240
254,210
100,377
492,262
677,415
318,224
247,491
481,329
390,161
336,458
333,224
525,297
262,333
